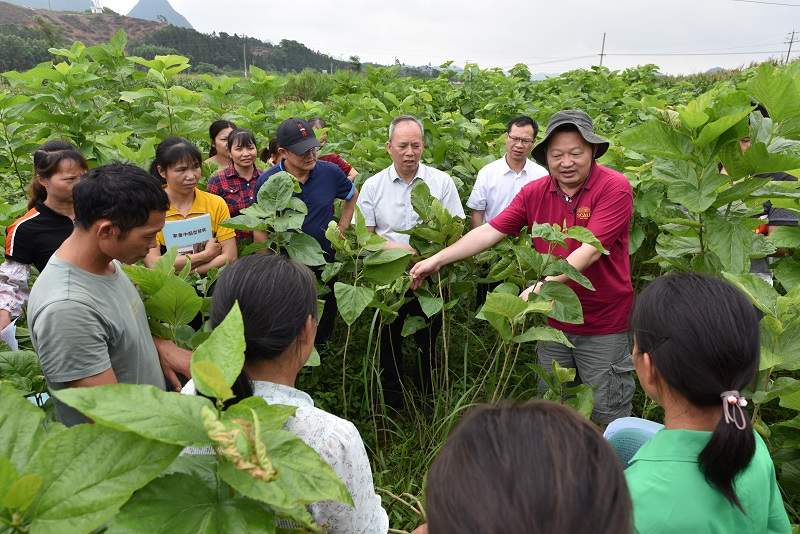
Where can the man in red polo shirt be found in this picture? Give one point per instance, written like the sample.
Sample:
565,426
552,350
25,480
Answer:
578,192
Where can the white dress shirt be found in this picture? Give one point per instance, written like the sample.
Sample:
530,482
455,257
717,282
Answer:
338,443
497,185
385,200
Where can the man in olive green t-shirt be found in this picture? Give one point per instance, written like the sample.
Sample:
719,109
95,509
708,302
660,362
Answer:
87,322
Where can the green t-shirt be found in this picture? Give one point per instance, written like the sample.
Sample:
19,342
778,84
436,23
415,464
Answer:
82,323
670,493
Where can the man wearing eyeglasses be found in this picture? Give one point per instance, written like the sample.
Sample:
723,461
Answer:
499,182
321,183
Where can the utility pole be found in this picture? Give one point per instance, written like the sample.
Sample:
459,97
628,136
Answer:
244,56
789,42
603,49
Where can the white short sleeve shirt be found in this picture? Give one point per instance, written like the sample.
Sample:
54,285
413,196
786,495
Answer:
497,185
385,200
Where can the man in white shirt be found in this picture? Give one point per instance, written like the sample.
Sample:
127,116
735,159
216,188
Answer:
385,201
500,181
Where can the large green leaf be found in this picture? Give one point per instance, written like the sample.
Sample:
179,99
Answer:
385,266
731,241
543,333
584,235
270,416
303,476
787,271
305,249
713,130
144,410
224,348
21,429
276,192
777,90
175,303
181,503
656,138
352,300
761,294
693,188
566,306
561,266
509,306
785,236
149,281
88,472
21,369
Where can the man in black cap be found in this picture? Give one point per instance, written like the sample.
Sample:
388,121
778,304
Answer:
577,192
321,183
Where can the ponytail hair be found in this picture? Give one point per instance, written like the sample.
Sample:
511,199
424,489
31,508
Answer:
214,130
703,339
269,151
276,296
46,160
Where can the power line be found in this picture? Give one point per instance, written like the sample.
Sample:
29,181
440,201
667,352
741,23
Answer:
767,3
696,53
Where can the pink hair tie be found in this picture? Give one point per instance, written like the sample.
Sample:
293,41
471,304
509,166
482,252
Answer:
732,404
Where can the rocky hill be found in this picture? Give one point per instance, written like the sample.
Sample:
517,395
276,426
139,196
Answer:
158,10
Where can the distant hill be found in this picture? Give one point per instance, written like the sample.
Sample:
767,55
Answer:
56,5
26,34
155,9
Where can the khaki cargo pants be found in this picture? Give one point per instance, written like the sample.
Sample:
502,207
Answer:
603,362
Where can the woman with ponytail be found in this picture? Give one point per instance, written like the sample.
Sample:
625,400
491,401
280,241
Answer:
696,348
278,300
32,239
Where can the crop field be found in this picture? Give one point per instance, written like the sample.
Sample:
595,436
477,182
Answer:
669,136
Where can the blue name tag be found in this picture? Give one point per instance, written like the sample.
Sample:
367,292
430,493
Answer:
186,233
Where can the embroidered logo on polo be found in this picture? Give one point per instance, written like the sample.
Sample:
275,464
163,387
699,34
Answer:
302,129
583,213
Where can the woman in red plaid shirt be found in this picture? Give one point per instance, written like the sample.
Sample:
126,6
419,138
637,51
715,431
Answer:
236,183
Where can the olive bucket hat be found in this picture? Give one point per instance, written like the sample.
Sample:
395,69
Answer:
574,117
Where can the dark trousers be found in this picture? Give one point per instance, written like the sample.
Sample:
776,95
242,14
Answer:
391,353
326,322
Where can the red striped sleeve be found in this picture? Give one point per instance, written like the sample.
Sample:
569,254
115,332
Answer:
13,230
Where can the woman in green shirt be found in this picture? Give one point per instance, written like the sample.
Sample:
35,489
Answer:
696,346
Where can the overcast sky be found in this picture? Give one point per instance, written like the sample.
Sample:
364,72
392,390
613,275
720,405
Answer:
552,36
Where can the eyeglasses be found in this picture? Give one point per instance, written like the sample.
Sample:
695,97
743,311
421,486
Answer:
521,140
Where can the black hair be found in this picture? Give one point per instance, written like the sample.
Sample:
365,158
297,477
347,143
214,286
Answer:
46,160
174,150
276,296
318,122
241,137
530,468
522,121
702,337
122,193
214,130
270,150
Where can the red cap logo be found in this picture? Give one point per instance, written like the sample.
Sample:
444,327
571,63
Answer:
302,129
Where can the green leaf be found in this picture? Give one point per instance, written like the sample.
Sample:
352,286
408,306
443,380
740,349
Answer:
760,293
785,236
787,271
431,305
183,504
584,235
149,281
412,324
225,349
276,192
21,369
313,359
777,90
209,380
303,476
509,306
713,130
352,300
8,475
166,263
549,232
330,271
696,190
22,492
566,306
385,266
656,138
581,399
21,430
163,416
88,472
543,333
175,303
270,416
731,241
305,249
561,266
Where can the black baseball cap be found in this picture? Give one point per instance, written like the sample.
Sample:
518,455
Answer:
297,136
